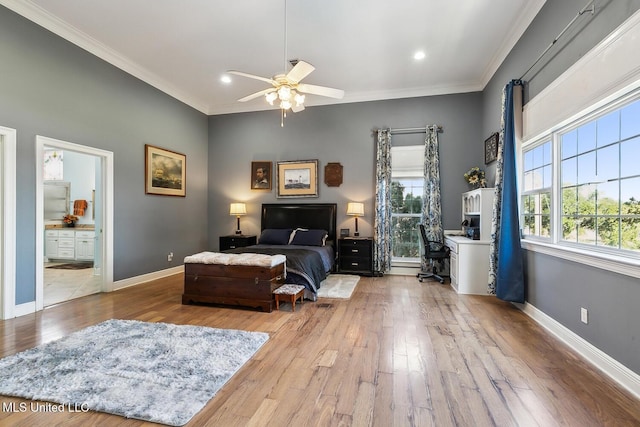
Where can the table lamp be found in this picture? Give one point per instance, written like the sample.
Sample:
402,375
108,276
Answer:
355,209
238,209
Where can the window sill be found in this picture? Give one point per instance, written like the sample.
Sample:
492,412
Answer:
616,264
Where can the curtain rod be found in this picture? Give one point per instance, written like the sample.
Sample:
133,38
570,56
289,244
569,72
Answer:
592,9
414,130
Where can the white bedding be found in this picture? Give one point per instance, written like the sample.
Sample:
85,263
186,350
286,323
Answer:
259,260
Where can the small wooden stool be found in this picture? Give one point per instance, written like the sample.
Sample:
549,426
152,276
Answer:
293,292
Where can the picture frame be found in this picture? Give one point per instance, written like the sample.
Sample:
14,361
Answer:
298,178
165,172
261,176
333,174
491,148
344,232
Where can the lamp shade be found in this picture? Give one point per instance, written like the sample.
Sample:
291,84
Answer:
237,209
355,209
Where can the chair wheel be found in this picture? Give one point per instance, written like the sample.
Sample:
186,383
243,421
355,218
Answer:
420,280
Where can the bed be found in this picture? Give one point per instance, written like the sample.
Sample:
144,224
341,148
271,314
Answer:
309,258
311,252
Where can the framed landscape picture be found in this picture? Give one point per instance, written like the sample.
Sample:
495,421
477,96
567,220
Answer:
165,172
491,148
298,178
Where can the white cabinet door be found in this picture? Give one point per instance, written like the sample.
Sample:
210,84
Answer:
84,249
51,246
84,245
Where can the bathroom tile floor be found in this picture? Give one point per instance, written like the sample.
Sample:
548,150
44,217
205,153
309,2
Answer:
63,285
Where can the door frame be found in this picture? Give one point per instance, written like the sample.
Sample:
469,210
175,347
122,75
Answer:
106,170
8,146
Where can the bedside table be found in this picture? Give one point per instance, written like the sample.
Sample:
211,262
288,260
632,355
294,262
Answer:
355,255
236,241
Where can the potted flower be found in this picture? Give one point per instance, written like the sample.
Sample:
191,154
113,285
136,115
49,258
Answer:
69,220
475,177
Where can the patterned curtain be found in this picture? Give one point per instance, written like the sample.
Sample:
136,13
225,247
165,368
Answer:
382,220
506,272
431,209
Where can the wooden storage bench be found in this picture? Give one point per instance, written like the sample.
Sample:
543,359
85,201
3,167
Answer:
231,279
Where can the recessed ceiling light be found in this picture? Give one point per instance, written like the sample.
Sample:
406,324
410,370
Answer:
225,79
419,55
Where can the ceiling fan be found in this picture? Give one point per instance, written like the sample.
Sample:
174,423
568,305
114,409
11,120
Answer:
287,87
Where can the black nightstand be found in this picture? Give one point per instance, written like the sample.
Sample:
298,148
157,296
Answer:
355,255
236,241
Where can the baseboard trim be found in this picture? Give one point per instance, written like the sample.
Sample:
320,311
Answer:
138,280
608,365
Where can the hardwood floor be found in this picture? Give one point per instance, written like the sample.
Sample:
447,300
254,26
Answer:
398,353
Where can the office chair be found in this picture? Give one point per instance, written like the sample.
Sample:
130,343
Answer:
435,253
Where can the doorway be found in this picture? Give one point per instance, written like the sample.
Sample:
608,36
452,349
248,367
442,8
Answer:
75,261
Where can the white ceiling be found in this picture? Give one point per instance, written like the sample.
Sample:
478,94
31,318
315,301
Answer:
366,48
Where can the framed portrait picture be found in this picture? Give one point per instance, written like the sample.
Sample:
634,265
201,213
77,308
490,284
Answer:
261,175
298,178
491,148
165,172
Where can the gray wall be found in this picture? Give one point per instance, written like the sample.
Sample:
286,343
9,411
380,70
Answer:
339,133
50,87
557,287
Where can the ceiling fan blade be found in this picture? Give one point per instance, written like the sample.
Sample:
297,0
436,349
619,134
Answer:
253,76
300,71
257,94
321,90
297,108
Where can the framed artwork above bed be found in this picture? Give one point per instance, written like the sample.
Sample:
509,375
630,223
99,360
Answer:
298,178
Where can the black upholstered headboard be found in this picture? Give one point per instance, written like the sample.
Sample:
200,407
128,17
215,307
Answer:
301,215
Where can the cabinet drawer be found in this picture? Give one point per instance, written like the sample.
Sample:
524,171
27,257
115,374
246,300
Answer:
240,241
354,246
66,253
453,246
66,233
355,264
51,233
66,243
85,234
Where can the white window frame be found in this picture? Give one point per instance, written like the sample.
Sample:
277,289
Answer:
412,172
527,147
573,96
619,260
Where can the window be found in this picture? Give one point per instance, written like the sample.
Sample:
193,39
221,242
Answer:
600,180
536,194
597,198
407,184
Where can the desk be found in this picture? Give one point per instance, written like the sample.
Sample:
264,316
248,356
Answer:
469,264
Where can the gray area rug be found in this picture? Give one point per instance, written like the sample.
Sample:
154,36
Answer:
156,372
338,286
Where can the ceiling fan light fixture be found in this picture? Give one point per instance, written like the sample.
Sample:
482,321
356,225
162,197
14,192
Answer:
299,99
285,104
284,93
270,97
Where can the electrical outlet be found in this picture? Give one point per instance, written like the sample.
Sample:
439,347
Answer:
584,315
170,257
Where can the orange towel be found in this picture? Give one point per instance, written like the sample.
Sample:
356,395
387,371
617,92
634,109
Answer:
79,207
